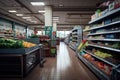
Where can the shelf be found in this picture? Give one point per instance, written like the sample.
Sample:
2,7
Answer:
74,30
113,23
72,47
98,72
101,59
86,30
104,40
104,33
74,33
75,36
106,15
111,49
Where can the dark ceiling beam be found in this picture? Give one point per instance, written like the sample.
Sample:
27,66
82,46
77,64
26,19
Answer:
18,1
79,18
74,9
57,24
33,13
80,13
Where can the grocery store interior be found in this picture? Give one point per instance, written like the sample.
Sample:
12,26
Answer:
59,39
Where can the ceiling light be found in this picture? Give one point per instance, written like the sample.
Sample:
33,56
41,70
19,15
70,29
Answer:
26,17
41,11
56,17
37,3
60,5
19,14
34,21
12,11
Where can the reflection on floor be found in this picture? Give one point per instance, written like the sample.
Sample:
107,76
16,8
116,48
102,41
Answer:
65,66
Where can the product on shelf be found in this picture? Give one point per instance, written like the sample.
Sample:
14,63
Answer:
102,54
82,44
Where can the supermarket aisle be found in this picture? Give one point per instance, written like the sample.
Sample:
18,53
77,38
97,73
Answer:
65,66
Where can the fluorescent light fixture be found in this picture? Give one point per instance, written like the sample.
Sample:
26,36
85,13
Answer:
19,14
34,21
26,17
37,3
60,5
56,17
55,21
12,11
41,11
29,19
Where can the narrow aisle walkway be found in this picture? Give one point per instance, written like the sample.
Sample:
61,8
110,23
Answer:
65,67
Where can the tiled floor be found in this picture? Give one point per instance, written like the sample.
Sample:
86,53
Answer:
65,66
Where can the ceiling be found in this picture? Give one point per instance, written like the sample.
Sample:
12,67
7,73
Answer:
70,12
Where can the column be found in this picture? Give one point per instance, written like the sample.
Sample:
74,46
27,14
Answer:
48,16
48,21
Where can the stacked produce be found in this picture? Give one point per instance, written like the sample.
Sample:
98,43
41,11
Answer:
10,43
102,54
28,44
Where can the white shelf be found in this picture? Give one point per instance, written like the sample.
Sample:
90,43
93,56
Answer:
104,40
111,49
109,32
113,23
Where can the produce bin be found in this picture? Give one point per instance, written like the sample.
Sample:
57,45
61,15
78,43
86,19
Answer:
53,51
18,62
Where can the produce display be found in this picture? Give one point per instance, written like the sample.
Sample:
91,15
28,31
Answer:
34,36
28,44
10,43
102,54
99,64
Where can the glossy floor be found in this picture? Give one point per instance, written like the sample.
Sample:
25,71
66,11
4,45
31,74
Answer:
66,66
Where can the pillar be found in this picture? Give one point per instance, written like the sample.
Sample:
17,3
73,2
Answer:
48,20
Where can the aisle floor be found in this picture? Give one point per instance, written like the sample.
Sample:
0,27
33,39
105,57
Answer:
66,66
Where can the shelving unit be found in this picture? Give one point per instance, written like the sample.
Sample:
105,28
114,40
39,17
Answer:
76,37
102,38
6,34
68,39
